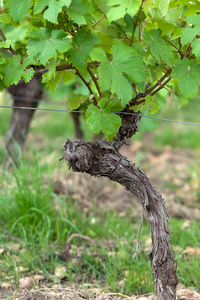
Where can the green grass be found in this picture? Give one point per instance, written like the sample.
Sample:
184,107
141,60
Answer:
30,211
179,135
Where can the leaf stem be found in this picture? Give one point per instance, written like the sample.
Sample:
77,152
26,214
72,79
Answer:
136,22
182,22
94,80
145,21
126,37
187,52
5,39
178,49
98,21
87,85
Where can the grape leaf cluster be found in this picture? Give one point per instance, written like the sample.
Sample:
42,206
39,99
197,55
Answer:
124,52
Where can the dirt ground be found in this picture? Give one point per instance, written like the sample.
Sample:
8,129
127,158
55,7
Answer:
171,173
66,293
168,169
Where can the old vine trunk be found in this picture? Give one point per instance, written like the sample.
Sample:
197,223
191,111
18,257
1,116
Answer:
103,159
24,95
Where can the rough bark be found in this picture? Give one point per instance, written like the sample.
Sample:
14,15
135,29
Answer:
103,159
25,95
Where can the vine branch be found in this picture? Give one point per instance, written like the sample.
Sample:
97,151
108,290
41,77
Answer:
161,86
5,39
136,22
178,49
87,85
94,80
159,82
62,68
152,91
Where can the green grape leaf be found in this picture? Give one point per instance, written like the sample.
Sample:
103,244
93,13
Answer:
51,65
177,99
103,5
173,14
2,59
82,44
152,104
63,76
5,18
122,7
163,7
196,48
2,86
101,120
194,19
18,9
106,41
188,86
14,70
74,101
189,33
54,7
167,28
158,48
137,108
111,105
5,44
45,44
112,73
177,32
188,74
78,9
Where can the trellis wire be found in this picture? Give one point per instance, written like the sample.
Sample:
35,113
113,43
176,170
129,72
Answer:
114,112
33,100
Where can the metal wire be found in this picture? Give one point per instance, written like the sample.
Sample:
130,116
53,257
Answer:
114,112
33,100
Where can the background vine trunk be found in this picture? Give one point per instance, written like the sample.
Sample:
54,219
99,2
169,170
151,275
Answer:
24,95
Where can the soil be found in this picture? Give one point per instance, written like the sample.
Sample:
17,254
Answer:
169,170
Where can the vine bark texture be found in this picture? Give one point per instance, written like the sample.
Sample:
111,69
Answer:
102,158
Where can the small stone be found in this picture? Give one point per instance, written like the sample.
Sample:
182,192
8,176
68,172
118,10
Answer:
13,247
26,283
38,277
60,272
102,297
21,269
6,285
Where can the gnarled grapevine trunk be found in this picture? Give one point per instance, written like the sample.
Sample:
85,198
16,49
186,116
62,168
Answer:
24,95
103,159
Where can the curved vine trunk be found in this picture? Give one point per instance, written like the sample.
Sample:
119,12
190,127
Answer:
25,95
103,159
